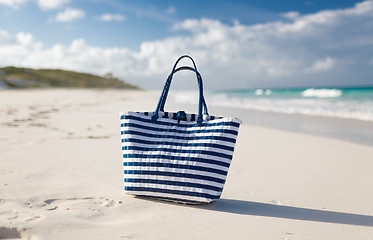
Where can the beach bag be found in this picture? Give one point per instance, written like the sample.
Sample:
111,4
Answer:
176,156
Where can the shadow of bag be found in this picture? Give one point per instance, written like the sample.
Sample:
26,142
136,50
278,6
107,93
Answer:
176,156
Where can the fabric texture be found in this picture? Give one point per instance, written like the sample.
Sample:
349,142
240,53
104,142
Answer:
174,160
177,156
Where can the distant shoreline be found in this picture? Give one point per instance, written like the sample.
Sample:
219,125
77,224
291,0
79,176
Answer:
24,78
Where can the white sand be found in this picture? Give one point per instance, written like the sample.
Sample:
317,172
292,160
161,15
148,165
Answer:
61,178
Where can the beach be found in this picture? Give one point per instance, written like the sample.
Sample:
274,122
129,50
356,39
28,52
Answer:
61,176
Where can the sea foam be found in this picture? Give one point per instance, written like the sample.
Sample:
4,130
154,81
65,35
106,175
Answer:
315,102
321,93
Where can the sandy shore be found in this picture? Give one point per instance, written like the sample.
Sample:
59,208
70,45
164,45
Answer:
61,178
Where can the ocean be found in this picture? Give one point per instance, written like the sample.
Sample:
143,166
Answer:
340,113
348,103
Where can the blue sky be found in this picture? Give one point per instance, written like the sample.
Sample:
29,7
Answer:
249,44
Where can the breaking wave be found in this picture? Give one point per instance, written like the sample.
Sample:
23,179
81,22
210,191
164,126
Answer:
316,102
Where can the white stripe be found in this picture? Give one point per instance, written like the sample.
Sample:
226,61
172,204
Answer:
191,155
186,162
162,133
126,136
176,170
176,147
158,194
170,120
168,146
179,179
172,187
190,128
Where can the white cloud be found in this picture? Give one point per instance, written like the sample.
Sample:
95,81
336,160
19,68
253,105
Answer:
291,15
112,17
16,48
171,10
322,65
70,14
51,4
306,50
25,38
13,3
5,38
43,4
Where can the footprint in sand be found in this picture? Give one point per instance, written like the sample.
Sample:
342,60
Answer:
5,172
12,213
15,233
71,204
9,233
21,216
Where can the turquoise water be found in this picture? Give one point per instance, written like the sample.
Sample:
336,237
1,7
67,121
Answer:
351,103
333,94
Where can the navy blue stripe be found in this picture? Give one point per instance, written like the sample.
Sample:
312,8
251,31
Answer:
193,151
173,199
175,174
169,191
192,159
232,140
235,124
175,183
135,140
172,165
178,130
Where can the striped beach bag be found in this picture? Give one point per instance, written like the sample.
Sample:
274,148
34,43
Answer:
177,156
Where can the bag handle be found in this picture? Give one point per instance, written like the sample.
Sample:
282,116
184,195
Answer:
164,94
167,88
168,81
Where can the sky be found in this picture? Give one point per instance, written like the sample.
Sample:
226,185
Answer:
236,44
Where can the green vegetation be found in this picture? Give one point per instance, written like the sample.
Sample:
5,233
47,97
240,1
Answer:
13,77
